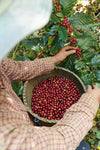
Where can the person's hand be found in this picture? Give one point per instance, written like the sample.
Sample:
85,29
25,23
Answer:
63,53
95,92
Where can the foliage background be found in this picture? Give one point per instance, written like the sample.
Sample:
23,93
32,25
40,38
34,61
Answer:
84,20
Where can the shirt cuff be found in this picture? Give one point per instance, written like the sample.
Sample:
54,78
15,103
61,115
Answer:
88,100
48,64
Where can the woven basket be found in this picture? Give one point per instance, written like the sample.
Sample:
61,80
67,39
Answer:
57,72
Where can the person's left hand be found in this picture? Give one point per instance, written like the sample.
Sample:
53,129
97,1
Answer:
63,53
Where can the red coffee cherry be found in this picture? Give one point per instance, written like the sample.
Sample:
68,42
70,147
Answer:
49,46
59,6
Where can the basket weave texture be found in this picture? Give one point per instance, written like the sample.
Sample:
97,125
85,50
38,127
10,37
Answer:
57,72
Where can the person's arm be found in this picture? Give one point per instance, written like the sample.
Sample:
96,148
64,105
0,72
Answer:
18,70
66,134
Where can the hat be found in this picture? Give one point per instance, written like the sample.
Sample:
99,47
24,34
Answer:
18,18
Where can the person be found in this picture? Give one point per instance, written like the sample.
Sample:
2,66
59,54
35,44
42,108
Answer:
17,131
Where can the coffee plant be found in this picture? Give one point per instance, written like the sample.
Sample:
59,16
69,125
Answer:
68,26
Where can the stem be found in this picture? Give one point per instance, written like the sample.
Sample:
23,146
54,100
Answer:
15,51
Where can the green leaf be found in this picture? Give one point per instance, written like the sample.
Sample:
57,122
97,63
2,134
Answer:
98,135
49,41
62,32
60,15
91,141
51,30
79,65
54,18
81,27
81,19
70,62
17,87
93,25
29,43
97,84
95,61
87,79
99,143
10,54
54,28
86,27
45,40
87,40
96,74
56,45
88,55
67,6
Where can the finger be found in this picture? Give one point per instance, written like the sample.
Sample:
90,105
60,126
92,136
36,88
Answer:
70,52
68,48
95,87
89,88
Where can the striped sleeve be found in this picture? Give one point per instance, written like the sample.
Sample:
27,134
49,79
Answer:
25,70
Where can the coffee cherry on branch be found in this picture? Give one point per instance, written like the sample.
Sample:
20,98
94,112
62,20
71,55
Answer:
78,51
49,46
70,31
73,41
42,54
58,10
54,2
53,96
57,3
59,6
65,23
78,30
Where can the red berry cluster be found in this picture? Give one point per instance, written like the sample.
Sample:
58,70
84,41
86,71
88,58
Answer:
78,51
73,41
70,30
56,3
65,23
58,7
53,96
39,54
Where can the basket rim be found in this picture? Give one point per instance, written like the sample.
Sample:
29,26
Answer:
36,115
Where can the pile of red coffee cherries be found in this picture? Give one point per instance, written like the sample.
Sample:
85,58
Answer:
53,96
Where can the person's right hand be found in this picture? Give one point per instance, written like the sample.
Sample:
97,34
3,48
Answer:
95,92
